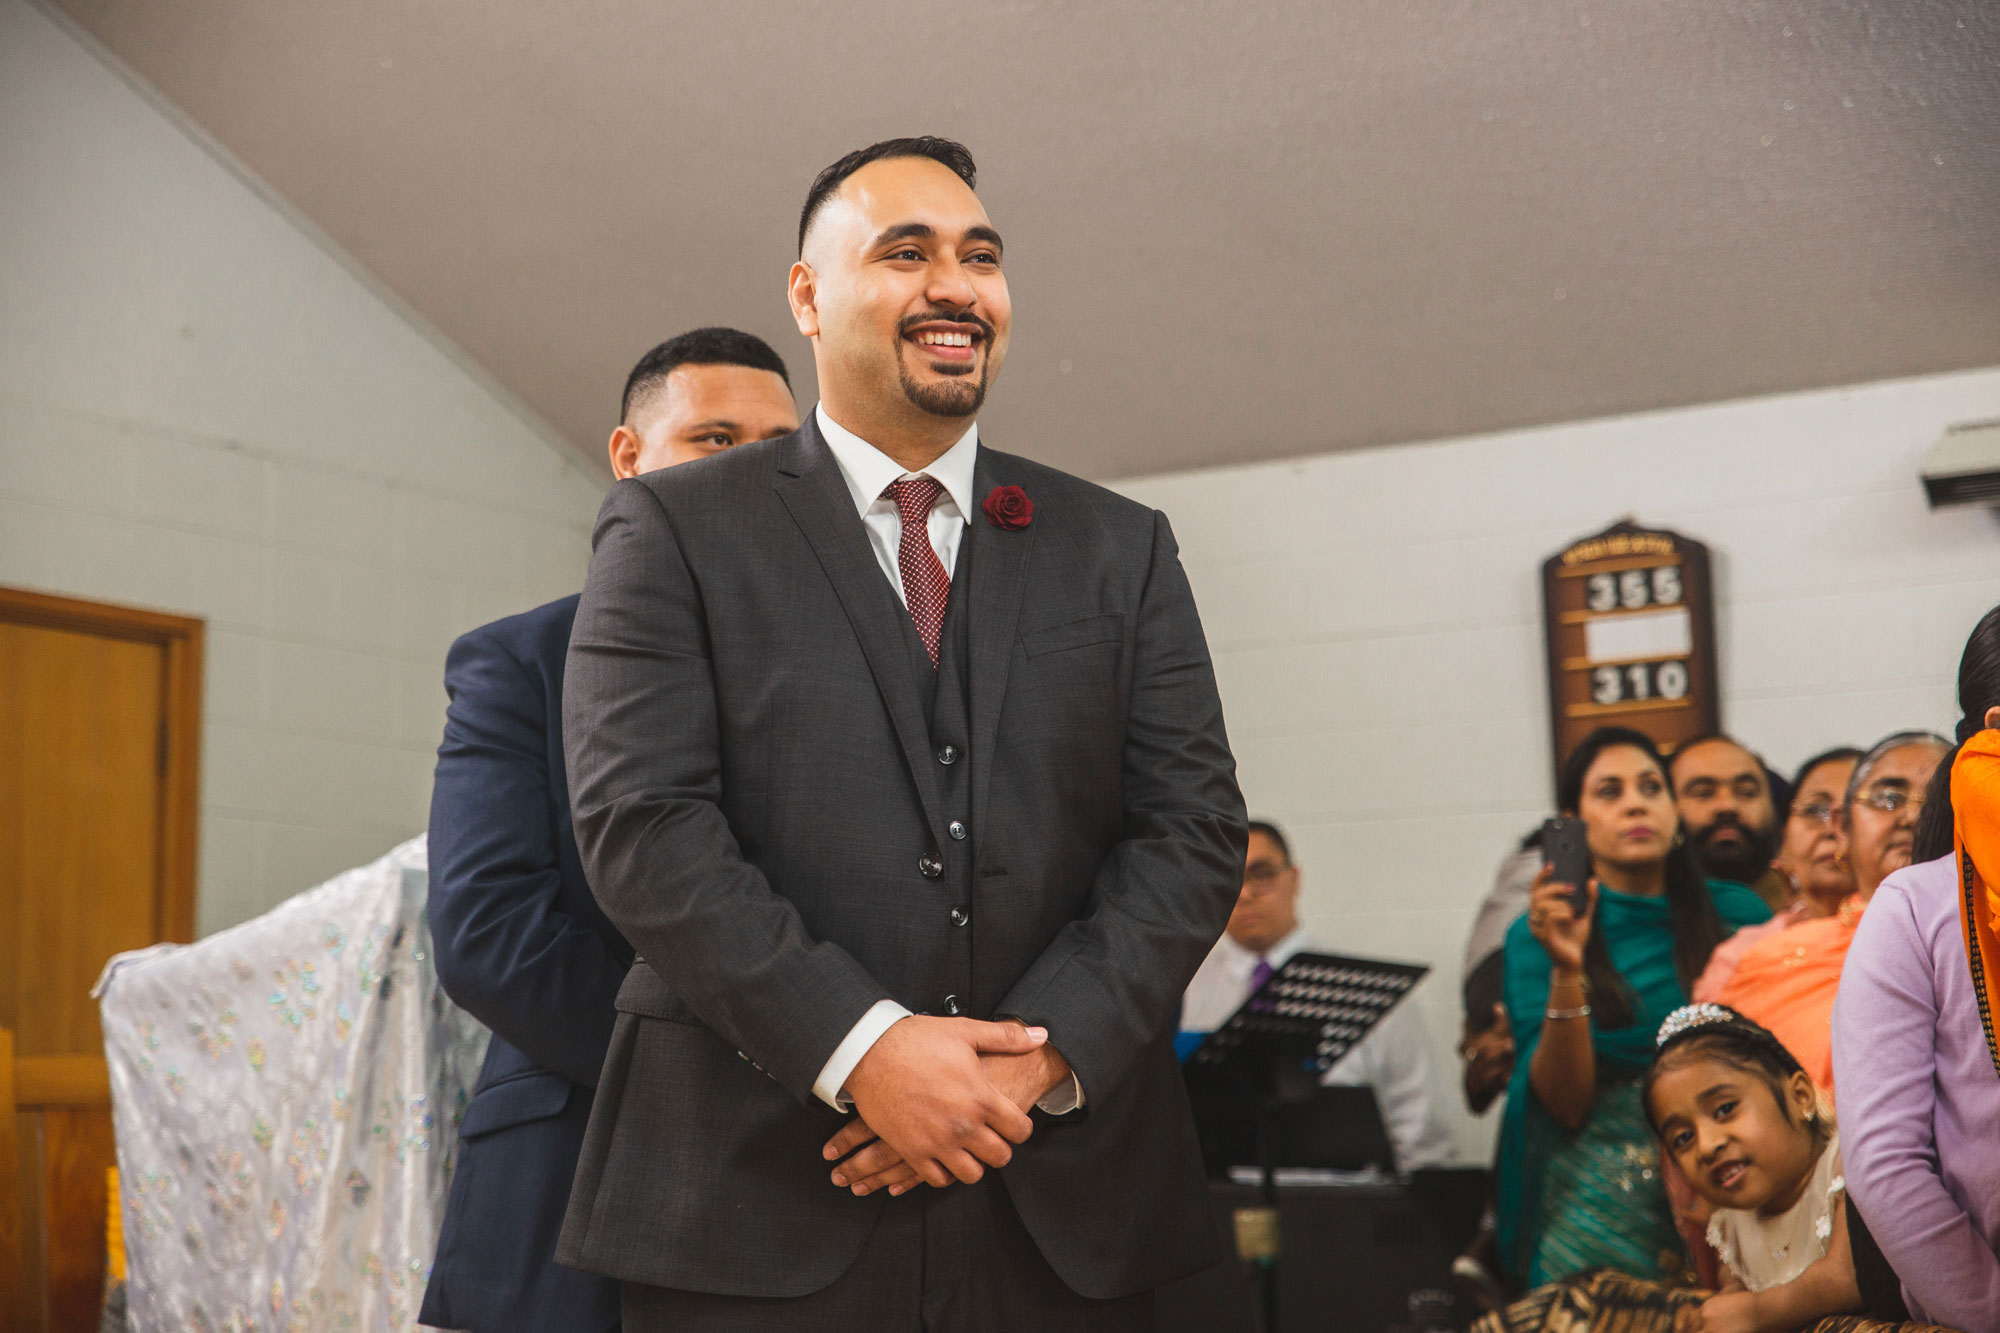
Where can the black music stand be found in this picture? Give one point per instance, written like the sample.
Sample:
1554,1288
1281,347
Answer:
1271,1052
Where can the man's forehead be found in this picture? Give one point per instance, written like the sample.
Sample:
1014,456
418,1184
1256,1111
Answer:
704,388
1716,756
901,190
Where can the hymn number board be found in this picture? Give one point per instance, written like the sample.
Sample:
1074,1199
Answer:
1631,637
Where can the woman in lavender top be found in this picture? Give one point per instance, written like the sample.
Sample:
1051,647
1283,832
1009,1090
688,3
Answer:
1919,1094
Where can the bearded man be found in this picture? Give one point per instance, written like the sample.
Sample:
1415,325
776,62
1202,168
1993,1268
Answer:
899,760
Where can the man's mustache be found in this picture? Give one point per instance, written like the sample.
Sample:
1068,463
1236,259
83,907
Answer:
1727,819
946,317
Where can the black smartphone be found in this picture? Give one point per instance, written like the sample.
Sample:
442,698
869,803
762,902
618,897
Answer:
1566,852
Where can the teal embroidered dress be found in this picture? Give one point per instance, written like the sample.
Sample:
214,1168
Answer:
1570,1202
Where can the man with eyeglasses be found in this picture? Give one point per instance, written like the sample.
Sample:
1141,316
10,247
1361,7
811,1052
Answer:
1728,807
1263,931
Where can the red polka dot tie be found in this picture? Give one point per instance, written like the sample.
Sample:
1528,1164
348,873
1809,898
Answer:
925,583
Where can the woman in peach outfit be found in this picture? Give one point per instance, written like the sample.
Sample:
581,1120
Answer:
1787,981
1812,856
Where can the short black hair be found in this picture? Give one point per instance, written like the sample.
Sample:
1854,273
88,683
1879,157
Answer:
946,152
1275,834
712,346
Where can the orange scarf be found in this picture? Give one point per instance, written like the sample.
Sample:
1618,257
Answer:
1975,806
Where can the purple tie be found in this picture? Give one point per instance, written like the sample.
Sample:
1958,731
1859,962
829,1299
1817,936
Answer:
1260,976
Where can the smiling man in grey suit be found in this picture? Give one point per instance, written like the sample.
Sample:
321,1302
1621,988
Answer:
900,762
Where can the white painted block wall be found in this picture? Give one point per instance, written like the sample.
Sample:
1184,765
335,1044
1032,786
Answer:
1375,619
202,411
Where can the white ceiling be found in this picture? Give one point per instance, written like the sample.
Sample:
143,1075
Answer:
1235,231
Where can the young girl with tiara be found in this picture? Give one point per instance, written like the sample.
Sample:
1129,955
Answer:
1736,1112
1743,1121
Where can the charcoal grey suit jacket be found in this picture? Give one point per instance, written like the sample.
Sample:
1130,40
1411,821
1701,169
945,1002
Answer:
755,783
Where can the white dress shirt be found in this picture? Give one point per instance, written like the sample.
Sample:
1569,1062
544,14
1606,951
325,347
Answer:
868,472
1393,1059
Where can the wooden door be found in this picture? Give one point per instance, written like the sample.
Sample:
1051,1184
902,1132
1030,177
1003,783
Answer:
99,727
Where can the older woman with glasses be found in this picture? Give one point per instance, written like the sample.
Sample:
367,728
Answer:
1787,981
1811,855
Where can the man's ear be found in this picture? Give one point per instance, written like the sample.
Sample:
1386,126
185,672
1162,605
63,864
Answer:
802,290
624,453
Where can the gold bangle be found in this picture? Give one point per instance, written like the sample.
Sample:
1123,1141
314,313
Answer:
1581,1011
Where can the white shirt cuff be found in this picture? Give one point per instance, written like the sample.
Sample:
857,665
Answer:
1063,1097
831,1085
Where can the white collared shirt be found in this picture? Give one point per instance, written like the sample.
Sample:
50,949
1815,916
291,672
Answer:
868,472
1393,1059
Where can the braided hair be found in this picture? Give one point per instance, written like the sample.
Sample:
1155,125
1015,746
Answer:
1717,1032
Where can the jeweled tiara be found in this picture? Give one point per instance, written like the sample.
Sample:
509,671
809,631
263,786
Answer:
1692,1016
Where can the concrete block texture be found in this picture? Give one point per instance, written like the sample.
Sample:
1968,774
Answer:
203,410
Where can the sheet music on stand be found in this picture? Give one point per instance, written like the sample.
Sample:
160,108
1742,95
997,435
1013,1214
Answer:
1321,1003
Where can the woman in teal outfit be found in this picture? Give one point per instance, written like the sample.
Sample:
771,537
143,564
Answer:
1580,1184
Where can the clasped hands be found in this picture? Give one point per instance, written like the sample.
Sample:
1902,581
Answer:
941,1099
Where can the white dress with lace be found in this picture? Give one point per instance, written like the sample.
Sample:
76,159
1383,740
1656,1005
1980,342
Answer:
1765,1252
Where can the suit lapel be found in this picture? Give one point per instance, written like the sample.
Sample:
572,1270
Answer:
999,575
812,488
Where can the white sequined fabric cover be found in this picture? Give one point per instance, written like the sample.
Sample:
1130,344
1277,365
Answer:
287,1096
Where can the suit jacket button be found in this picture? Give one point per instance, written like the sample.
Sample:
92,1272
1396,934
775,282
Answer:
930,867
951,1004
958,916
947,754
957,831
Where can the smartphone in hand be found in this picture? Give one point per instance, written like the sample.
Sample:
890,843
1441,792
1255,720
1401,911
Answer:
1566,852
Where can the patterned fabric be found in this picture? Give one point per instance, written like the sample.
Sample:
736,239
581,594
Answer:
1599,1302
1640,940
286,1097
926,585
1602,1195
1608,1302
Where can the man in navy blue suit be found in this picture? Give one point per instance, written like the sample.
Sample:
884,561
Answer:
519,940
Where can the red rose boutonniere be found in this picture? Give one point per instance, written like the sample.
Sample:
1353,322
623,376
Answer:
1008,508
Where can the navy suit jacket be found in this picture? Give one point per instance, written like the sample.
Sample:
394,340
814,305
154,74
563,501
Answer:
522,945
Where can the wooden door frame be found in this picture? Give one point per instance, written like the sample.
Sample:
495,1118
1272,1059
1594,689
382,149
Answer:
181,639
